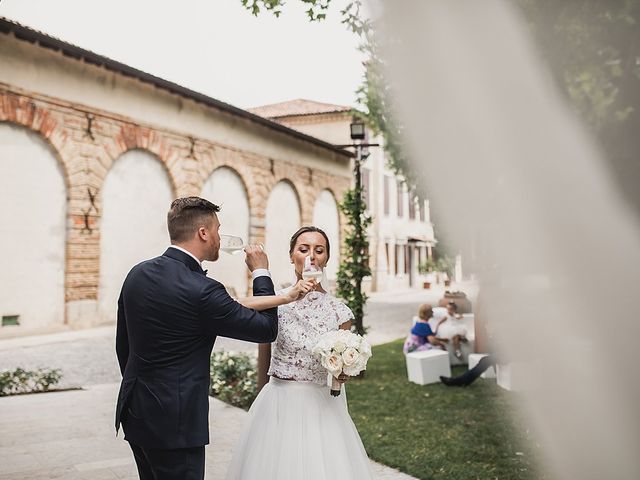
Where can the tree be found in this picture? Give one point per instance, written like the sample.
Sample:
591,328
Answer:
593,51
592,48
355,263
317,8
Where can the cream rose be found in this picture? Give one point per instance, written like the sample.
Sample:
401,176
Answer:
333,363
350,355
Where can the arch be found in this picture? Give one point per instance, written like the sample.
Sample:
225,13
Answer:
225,187
132,137
32,228
135,198
282,219
25,113
327,217
213,157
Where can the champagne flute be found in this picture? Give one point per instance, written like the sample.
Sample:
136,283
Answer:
311,271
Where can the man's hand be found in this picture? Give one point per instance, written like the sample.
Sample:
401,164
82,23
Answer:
300,289
256,257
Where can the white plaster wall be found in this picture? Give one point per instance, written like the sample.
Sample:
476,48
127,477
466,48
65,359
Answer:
325,216
135,199
225,188
389,228
282,221
333,130
32,230
41,70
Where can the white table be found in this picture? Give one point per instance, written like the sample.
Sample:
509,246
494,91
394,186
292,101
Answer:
426,367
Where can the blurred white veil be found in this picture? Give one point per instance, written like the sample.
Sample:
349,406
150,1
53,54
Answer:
503,155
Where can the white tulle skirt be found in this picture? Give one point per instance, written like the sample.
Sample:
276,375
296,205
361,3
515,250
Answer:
298,431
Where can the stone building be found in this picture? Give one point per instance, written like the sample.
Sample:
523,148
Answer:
401,235
92,152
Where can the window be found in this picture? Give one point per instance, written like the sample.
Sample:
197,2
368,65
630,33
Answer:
387,185
406,259
412,207
396,260
400,200
423,210
366,196
9,320
386,252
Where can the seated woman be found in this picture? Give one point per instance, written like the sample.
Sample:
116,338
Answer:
421,336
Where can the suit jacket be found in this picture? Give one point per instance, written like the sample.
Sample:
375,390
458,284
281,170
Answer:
169,314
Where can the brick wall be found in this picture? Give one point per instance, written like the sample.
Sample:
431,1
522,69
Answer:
87,141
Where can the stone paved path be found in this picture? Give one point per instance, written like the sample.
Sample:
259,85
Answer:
69,435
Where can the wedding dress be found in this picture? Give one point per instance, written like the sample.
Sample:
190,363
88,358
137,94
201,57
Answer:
296,429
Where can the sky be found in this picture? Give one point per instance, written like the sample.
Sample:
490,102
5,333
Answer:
215,47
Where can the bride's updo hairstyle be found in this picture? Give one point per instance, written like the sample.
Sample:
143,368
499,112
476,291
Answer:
294,238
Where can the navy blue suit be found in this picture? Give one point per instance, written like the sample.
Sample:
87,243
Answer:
169,314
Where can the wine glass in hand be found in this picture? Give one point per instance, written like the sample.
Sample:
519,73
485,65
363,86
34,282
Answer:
311,271
231,244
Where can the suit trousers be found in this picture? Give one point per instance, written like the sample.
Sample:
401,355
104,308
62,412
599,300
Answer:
162,464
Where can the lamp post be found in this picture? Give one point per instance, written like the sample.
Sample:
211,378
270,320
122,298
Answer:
362,152
351,283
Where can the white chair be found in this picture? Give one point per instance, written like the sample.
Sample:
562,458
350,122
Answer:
520,376
426,367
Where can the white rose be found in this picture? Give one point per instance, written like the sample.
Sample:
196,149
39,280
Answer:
352,370
317,351
353,341
349,356
339,346
365,348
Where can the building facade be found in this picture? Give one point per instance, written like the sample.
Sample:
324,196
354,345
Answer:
93,151
401,235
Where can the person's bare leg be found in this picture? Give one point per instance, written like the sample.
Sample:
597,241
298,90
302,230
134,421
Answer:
456,346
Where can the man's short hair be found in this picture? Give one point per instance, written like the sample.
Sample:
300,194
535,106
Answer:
186,215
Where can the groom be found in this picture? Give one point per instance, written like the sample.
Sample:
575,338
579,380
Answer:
169,314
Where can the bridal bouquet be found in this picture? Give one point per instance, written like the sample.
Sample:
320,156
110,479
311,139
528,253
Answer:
341,351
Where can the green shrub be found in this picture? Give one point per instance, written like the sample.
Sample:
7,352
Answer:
234,378
17,381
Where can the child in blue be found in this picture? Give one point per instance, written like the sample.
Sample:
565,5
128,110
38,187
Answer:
421,336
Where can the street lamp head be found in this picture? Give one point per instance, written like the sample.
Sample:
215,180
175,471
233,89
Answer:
357,130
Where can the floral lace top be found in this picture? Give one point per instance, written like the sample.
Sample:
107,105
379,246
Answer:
300,326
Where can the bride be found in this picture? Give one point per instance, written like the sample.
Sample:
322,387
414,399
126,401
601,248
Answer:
296,429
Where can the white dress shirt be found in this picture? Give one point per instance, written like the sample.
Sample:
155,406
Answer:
258,272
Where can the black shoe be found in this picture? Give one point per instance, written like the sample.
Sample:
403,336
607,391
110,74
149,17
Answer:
451,381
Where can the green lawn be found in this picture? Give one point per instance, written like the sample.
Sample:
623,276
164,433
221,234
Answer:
438,432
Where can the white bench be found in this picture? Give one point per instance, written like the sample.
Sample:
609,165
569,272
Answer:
426,367
466,348
474,358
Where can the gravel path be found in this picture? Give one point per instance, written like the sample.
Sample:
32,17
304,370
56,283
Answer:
87,357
